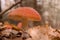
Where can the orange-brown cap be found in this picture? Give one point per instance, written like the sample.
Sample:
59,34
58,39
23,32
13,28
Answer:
24,12
19,25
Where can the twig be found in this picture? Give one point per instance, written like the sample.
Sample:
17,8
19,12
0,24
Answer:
1,14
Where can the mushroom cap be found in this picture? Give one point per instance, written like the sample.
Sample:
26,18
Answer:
8,26
19,25
24,12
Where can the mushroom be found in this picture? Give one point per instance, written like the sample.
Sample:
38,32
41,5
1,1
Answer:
24,14
7,25
19,25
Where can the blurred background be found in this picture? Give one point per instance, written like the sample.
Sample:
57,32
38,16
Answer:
48,9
